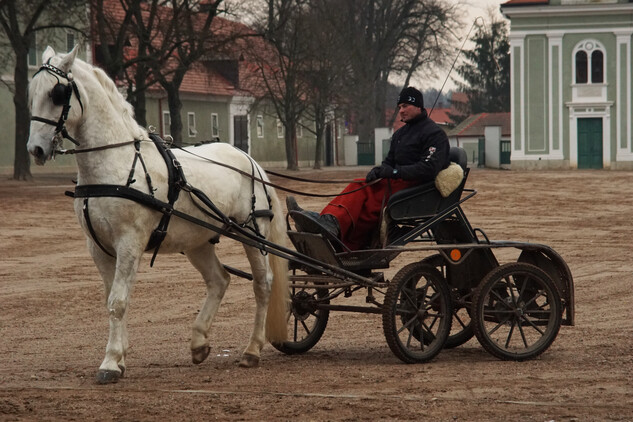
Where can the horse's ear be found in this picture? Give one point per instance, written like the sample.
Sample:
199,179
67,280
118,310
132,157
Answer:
68,59
47,54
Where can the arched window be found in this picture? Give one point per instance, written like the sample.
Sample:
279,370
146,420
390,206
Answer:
581,67
597,67
589,63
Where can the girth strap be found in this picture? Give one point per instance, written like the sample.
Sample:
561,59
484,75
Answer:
176,180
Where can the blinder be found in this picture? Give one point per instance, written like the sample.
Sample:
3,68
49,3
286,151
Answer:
61,94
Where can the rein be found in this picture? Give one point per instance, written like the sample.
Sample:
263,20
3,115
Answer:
100,148
276,186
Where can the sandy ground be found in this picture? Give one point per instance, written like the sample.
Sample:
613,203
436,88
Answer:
53,325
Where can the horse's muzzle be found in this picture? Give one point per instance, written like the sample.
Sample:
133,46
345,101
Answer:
39,155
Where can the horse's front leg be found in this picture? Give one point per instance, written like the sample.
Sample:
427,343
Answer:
262,282
118,276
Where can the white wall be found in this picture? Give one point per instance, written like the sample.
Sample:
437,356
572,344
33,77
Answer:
350,150
380,134
493,146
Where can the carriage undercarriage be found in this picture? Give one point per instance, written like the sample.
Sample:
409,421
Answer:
440,301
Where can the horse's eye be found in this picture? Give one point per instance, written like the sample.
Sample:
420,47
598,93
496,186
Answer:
61,93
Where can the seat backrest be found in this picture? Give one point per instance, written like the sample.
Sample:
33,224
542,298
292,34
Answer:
458,155
424,201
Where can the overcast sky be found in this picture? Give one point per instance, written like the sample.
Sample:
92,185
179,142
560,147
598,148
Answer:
474,9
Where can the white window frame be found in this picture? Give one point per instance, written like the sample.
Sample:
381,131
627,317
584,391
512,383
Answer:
71,41
166,123
191,124
299,129
589,46
281,130
260,126
215,125
32,54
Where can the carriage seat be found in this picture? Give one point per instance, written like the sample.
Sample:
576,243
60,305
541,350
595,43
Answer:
425,201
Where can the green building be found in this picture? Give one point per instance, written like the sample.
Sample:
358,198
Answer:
571,83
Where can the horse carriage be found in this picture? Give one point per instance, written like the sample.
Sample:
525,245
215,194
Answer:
133,196
455,289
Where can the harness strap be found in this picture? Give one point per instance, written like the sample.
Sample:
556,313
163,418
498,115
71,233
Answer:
176,181
91,229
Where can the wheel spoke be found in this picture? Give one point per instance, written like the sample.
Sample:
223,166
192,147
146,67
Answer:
531,324
525,342
510,333
501,322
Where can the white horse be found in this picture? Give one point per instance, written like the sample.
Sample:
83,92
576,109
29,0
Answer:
101,122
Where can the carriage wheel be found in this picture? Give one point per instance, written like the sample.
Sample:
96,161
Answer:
516,311
306,322
416,315
461,327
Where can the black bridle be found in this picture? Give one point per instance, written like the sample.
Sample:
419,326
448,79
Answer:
60,95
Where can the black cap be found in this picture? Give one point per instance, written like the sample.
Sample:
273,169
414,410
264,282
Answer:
412,96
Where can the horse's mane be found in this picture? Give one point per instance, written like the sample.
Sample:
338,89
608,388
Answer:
121,106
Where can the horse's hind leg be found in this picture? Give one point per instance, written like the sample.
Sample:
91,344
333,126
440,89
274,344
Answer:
262,282
217,280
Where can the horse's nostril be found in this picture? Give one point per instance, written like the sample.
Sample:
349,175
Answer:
38,152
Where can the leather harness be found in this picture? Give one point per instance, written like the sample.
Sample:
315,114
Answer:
177,183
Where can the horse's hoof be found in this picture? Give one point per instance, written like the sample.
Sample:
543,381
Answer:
108,377
200,354
249,361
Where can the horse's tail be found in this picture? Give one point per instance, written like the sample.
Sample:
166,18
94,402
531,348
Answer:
278,306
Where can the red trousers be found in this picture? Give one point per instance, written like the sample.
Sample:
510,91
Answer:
358,213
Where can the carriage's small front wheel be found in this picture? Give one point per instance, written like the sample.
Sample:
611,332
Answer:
516,311
461,327
306,323
417,313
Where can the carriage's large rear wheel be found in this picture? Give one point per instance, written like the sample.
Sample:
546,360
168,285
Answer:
417,313
461,327
306,323
516,311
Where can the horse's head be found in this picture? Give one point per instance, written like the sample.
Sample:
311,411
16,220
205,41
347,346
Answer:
54,102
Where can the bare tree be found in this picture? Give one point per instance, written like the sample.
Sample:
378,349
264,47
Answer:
384,38
20,23
281,62
324,74
122,29
182,36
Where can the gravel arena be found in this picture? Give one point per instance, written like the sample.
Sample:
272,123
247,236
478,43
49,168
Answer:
53,323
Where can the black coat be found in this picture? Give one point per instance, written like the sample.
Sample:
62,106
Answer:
419,150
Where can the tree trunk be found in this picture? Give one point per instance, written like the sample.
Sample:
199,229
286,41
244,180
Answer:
290,136
22,161
175,106
138,100
319,126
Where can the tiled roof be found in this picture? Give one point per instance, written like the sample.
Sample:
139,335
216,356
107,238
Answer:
203,77
475,125
439,116
524,2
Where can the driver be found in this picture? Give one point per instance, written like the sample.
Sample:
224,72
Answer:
419,151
